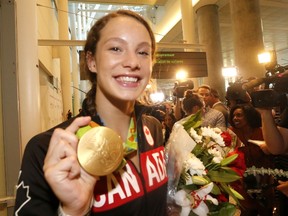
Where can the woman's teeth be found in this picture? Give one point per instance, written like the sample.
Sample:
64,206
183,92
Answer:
127,79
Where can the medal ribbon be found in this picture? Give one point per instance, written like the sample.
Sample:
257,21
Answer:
131,143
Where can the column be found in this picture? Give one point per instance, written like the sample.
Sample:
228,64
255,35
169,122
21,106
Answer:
28,69
75,65
209,35
247,37
188,27
64,54
188,22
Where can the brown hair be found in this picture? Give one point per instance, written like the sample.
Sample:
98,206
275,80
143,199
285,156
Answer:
191,100
91,44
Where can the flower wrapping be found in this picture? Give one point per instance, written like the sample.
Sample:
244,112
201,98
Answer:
202,163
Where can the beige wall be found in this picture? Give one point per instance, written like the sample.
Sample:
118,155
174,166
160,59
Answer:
2,167
51,98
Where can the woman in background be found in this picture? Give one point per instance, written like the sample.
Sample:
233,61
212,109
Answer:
245,122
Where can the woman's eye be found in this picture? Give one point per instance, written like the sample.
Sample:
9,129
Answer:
144,53
116,49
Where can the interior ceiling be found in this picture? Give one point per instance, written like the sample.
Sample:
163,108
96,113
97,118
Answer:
274,15
133,2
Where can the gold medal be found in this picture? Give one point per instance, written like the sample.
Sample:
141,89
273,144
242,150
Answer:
100,151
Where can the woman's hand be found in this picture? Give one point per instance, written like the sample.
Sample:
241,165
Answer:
70,183
283,187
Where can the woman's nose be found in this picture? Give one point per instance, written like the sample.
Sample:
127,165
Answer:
132,61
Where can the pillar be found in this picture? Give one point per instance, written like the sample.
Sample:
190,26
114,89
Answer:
209,35
188,27
28,69
75,66
188,22
247,37
64,54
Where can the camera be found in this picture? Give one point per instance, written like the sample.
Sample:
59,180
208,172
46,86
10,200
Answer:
268,98
181,87
275,89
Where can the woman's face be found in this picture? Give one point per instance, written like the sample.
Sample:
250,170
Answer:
168,121
239,118
123,59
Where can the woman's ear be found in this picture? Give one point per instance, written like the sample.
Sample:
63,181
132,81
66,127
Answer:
90,60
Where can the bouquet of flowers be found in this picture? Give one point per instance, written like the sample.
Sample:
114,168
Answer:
202,165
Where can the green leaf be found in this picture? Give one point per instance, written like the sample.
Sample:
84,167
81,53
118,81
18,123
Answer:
199,180
237,195
223,209
194,121
227,189
216,190
223,176
213,166
190,187
228,160
198,149
227,209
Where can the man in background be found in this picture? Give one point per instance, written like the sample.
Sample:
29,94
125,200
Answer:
215,103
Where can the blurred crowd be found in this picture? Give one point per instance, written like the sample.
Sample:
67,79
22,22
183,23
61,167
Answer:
261,134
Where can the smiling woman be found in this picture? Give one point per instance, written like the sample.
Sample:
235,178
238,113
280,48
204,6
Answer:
245,122
119,55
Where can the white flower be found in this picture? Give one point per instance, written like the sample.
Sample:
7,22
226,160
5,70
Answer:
207,131
217,130
217,155
213,133
197,138
195,200
194,165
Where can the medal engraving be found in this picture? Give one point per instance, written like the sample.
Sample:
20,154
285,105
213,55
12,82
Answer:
100,151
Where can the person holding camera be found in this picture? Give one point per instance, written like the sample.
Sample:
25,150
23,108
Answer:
179,90
276,138
245,122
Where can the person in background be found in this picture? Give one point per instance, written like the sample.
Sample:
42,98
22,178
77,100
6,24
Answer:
215,103
235,94
276,139
119,52
169,121
204,91
193,102
245,122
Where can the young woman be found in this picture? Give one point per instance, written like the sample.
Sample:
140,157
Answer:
245,122
119,52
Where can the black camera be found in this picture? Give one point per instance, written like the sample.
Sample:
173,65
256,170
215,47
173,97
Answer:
274,93
181,87
268,98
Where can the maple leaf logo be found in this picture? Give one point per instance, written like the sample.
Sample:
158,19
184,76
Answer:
23,192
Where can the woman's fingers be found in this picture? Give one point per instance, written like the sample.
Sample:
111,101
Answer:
66,168
77,123
62,140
